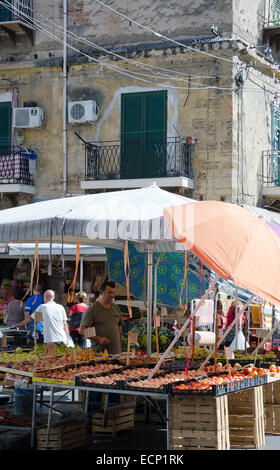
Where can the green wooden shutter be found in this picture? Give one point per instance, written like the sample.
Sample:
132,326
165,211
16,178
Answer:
143,134
5,128
156,125
132,145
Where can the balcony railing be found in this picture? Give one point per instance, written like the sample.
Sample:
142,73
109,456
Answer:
113,160
270,172
15,10
15,169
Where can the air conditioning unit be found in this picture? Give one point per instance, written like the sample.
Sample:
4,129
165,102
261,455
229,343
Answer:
28,117
83,111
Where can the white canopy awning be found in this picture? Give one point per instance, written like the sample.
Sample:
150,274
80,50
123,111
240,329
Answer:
104,219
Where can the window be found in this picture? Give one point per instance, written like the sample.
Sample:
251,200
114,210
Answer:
143,134
5,127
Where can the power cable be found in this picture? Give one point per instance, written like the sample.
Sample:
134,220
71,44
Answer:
116,69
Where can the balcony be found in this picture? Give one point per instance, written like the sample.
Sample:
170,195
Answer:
15,173
270,174
112,165
271,27
13,19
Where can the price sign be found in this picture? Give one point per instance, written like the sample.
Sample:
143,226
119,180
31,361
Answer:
90,332
229,353
133,337
50,349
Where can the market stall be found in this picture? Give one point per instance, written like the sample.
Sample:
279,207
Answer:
202,386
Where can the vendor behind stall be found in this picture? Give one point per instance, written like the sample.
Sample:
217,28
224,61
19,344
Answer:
105,316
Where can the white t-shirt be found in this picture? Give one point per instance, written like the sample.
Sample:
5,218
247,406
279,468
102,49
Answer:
54,316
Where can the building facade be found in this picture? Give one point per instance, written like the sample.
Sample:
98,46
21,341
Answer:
102,96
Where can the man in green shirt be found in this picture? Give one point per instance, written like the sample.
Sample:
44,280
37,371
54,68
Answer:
105,316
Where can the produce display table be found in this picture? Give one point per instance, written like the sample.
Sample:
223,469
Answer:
192,422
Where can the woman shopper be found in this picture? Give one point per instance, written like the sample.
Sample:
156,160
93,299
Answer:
228,340
75,316
15,310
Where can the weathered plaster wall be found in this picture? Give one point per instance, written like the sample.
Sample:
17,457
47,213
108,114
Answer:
248,20
251,135
86,18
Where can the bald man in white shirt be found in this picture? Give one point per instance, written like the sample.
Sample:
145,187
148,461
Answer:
54,320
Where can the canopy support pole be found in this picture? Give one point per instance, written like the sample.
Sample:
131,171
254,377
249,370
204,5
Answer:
174,341
149,298
237,323
158,261
81,272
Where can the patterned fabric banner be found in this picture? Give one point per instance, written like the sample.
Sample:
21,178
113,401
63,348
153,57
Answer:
170,275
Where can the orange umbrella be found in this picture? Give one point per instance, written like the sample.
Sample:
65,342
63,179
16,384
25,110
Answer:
233,242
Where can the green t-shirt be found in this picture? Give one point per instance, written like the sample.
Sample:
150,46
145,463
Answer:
106,322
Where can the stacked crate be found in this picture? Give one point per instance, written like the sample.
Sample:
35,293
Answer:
62,436
118,418
246,418
272,408
198,423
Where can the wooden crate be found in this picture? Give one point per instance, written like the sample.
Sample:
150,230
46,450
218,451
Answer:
198,423
272,408
63,437
118,418
246,418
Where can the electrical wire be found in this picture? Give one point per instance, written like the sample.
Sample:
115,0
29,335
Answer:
131,74
115,68
161,35
134,62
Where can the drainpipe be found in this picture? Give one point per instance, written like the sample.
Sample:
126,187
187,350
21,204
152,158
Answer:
64,123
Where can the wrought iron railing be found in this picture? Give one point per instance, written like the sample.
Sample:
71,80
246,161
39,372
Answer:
15,10
170,158
15,168
270,168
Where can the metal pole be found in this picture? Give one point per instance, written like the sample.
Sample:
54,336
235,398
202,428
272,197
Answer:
64,124
149,298
237,323
181,331
33,416
81,272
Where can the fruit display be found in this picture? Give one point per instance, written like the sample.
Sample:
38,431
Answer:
123,375
248,355
208,382
70,374
36,360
